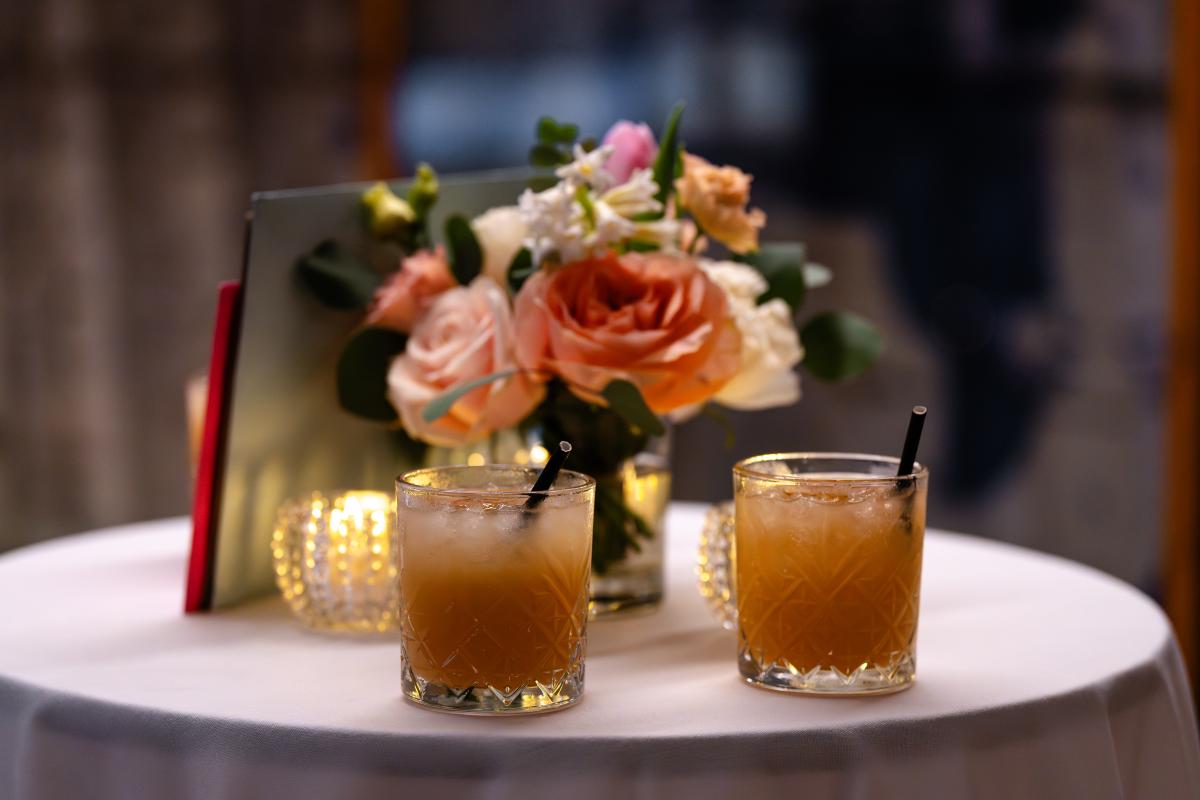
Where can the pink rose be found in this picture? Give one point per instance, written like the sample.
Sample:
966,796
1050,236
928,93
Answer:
410,290
465,334
654,319
635,149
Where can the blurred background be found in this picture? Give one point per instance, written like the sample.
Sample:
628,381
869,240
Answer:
986,178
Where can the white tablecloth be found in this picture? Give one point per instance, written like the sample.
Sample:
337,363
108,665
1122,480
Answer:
1038,678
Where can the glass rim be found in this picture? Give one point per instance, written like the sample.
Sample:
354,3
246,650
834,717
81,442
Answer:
745,468
585,482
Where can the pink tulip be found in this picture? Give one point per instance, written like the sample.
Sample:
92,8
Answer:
635,149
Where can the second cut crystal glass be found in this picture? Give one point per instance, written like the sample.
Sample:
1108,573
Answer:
828,571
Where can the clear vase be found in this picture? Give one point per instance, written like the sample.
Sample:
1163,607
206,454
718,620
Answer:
633,582
627,576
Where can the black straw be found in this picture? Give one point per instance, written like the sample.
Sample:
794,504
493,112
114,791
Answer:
912,439
548,475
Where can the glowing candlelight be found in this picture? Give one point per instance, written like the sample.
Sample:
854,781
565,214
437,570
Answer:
333,560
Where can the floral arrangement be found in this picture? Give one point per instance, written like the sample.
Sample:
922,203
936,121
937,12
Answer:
626,286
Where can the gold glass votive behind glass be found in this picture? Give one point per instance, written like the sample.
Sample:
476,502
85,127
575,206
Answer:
714,564
334,561
493,592
828,572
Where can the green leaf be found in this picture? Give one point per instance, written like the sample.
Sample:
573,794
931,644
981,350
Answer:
337,278
782,264
616,528
721,417
603,440
362,372
539,183
551,131
665,163
817,275
787,284
589,144
547,155
839,345
589,208
626,400
520,269
440,405
466,257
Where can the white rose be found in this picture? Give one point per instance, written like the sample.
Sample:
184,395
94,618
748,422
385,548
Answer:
770,344
499,232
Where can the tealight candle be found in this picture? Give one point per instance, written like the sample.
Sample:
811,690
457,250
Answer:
333,561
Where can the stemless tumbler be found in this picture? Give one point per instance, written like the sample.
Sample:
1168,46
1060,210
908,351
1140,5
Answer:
828,569
493,588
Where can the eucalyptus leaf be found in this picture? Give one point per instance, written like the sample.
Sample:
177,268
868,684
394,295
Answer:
721,417
817,275
551,131
466,257
546,155
782,265
775,255
839,345
337,278
362,372
603,440
520,269
627,402
667,162
539,183
440,405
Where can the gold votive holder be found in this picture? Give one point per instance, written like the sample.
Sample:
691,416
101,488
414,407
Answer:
334,563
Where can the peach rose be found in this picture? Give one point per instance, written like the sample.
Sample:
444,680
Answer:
717,198
466,334
410,290
653,319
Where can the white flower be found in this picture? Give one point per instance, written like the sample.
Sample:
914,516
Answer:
661,232
770,344
584,215
501,232
608,228
588,169
635,196
553,222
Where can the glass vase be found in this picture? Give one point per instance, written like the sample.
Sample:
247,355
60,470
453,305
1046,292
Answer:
627,578
631,506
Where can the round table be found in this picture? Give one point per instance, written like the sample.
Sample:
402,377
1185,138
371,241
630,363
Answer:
1038,677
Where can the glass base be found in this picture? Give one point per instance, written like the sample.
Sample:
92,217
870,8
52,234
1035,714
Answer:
628,589
627,605
895,676
490,701
351,630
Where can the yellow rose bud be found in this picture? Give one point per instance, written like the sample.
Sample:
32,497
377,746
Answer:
424,190
389,214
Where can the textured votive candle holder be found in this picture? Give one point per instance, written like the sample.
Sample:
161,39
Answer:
334,561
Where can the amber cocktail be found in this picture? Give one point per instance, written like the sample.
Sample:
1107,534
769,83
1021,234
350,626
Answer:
828,564
493,588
